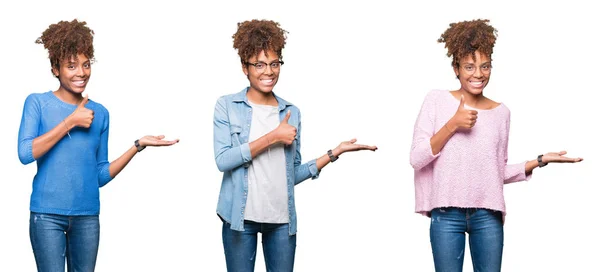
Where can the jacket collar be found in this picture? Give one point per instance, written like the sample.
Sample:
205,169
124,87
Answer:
241,97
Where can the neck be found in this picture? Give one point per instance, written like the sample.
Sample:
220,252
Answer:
261,98
68,97
471,99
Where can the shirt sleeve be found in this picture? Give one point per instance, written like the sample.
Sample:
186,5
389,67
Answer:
102,154
227,156
29,129
421,154
307,170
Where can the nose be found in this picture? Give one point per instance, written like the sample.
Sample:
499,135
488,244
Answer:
478,73
80,72
268,70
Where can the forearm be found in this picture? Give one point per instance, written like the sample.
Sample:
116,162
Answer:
325,160
261,144
529,166
439,139
42,144
119,164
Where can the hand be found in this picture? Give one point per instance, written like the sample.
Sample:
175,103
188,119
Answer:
284,133
81,116
350,146
150,140
551,157
463,118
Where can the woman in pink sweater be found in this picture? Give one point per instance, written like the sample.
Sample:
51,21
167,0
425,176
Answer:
459,153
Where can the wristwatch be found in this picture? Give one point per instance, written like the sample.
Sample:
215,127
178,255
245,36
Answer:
331,156
138,146
540,162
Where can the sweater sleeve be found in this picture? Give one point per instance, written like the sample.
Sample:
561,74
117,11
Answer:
421,154
102,154
227,156
29,129
512,172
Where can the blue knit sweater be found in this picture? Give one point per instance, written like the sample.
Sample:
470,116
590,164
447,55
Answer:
70,174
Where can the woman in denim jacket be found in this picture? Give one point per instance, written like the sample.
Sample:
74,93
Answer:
257,147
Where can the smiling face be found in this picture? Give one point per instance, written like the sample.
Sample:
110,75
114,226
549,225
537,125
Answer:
74,74
262,79
474,74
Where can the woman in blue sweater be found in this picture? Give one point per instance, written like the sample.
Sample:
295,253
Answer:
67,135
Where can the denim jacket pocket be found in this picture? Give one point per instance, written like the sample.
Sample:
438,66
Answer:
236,130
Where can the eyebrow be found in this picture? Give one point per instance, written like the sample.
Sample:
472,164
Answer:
75,62
472,63
277,60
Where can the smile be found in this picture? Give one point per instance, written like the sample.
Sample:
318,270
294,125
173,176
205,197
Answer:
79,83
476,83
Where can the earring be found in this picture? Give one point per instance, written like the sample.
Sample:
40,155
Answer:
457,77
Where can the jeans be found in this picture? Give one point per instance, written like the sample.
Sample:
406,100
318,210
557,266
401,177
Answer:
486,238
279,247
55,238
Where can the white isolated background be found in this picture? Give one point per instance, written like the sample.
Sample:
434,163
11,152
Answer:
355,69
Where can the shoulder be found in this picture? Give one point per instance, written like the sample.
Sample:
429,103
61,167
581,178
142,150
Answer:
503,109
288,105
223,102
228,98
295,110
501,113
432,100
97,107
434,95
38,99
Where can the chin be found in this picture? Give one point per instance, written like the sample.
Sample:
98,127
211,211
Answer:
475,91
266,91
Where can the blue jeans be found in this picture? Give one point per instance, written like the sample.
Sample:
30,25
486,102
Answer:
55,238
279,247
447,234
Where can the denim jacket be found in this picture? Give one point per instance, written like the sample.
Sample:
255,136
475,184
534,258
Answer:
232,119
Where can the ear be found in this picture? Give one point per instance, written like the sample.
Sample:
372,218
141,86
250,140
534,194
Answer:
245,69
55,72
456,71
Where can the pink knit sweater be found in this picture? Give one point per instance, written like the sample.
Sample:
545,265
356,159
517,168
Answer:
470,171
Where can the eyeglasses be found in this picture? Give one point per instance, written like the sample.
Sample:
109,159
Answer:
261,66
470,68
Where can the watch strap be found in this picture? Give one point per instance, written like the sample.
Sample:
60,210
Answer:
138,146
331,156
540,162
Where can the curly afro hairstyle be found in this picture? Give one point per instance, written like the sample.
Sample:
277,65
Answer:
255,36
464,38
64,40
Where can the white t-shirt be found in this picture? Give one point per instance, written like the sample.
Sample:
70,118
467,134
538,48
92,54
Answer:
267,185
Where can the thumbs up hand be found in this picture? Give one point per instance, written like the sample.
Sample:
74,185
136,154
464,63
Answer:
81,116
284,133
463,118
